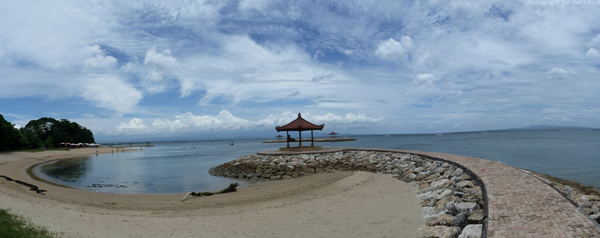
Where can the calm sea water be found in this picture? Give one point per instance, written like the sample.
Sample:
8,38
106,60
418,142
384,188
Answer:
183,166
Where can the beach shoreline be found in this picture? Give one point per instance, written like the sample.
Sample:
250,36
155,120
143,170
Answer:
317,204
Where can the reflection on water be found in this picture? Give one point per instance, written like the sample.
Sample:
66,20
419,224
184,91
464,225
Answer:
67,170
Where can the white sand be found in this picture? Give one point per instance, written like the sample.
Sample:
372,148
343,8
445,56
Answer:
340,204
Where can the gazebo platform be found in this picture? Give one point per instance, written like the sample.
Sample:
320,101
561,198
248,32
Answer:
304,148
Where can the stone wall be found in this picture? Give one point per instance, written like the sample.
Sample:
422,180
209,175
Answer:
452,200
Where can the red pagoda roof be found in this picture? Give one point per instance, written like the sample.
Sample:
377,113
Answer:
299,125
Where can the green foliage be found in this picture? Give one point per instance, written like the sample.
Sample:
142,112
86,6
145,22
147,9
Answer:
10,137
44,132
13,226
51,132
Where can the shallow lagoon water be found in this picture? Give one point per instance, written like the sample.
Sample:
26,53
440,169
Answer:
170,168
164,168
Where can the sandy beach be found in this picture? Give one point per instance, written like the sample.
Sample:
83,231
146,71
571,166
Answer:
338,204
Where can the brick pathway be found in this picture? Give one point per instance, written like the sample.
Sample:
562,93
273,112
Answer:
519,205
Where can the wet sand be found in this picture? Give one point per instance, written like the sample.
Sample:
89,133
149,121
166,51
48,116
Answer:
339,204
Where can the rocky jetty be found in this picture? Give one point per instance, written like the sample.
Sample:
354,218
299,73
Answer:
452,198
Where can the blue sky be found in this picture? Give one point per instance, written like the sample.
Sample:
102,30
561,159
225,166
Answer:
213,69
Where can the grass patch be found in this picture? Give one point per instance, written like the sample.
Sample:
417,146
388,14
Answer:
14,226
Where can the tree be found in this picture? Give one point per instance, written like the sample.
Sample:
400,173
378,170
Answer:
5,134
51,132
33,141
10,137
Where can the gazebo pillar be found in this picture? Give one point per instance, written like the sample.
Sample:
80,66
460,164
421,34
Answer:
300,132
312,140
288,139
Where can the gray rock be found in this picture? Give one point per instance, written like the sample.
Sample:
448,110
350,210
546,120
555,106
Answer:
439,182
471,231
428,211
476,217
464,184
595,210
460,220
409,177
585,205
443,220
466,207
567,190
438,232
596,217
443,194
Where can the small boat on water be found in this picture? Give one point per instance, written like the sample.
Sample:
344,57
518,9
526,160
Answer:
231,142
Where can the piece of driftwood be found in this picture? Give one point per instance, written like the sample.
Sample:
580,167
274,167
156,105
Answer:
232,188
31,186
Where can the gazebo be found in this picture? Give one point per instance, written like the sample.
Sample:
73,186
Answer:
299,125
333,134
279,137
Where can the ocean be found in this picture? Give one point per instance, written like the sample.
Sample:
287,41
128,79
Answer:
180,167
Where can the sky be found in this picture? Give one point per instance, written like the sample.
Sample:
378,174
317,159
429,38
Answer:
153,70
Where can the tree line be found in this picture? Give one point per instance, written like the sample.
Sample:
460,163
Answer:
42,133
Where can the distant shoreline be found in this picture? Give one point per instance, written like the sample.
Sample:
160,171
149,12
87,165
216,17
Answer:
316,140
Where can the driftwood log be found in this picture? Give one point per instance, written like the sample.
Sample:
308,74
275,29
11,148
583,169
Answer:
31,186
232,188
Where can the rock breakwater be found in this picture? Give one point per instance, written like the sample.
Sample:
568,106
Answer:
452,198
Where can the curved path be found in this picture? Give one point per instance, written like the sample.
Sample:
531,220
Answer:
519,205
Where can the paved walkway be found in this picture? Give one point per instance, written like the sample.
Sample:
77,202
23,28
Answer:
519,205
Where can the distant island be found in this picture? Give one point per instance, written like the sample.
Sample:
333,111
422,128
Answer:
549,127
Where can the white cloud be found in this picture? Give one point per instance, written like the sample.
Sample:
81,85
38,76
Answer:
557,71
424,79
160,61
565,119
349,118
98,59
226,121
128,67
348,52
593,52
161,65
391,49
134,124
187,121
560,73
109,92
407,43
